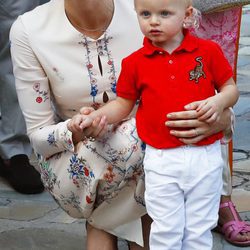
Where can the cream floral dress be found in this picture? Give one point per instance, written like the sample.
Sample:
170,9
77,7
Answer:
59,70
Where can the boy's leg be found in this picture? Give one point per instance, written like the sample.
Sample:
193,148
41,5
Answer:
164,197
202,196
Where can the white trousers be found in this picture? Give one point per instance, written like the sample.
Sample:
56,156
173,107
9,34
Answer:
183,187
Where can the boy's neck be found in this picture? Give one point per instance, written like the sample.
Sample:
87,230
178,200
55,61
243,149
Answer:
171,45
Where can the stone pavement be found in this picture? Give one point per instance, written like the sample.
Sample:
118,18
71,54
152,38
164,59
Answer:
35,222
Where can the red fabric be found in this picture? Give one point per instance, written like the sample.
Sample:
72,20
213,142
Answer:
162,83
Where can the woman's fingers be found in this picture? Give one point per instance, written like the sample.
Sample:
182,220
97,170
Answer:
183,123
182,115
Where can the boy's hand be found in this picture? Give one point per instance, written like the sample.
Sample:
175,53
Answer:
77,124
99,126
211,109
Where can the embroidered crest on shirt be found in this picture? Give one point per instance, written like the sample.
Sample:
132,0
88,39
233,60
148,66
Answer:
197,72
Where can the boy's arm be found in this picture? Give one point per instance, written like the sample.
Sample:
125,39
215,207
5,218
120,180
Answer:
211,109
228,94
114,111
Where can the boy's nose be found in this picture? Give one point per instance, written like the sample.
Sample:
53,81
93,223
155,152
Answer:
154,20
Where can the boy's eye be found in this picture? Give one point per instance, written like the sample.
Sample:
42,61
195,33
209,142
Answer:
145,13
164,13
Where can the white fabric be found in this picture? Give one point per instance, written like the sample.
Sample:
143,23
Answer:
182,196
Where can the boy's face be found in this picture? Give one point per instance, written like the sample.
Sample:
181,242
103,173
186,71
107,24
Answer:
162,20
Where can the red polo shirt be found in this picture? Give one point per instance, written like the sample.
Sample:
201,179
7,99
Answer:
166,82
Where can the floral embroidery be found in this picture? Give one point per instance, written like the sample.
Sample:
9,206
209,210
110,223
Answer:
48,177
82,191
88,199
76,167
79,170
73,200
42,94
68,143
102,50
109,176
51,139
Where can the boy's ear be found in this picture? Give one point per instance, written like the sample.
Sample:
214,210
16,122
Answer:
189,11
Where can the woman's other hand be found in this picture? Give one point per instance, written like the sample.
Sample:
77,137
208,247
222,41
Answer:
195,130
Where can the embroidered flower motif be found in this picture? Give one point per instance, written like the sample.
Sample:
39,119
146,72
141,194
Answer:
48,177
89,66
86,171
88,199
102,50
42,94
109,176
134,147
76,167
51,139
68,143
39,99
36,86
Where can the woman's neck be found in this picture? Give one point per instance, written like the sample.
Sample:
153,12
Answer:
90,16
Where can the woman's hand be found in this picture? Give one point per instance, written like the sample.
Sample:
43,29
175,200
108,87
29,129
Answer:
195,130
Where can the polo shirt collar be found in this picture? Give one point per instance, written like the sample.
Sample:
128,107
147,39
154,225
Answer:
188,44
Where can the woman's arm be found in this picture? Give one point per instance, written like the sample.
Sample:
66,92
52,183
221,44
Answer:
197,130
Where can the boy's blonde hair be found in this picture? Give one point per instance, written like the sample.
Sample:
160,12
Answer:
194,20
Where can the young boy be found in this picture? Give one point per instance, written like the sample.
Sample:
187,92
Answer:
183,182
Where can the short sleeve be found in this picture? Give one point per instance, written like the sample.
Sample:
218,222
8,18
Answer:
220,68
126,85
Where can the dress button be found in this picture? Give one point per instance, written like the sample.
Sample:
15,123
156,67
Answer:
172,77
160,52
170,61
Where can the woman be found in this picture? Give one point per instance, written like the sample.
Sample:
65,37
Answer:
66,56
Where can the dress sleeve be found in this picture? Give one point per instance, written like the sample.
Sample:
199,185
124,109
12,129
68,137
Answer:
46,135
